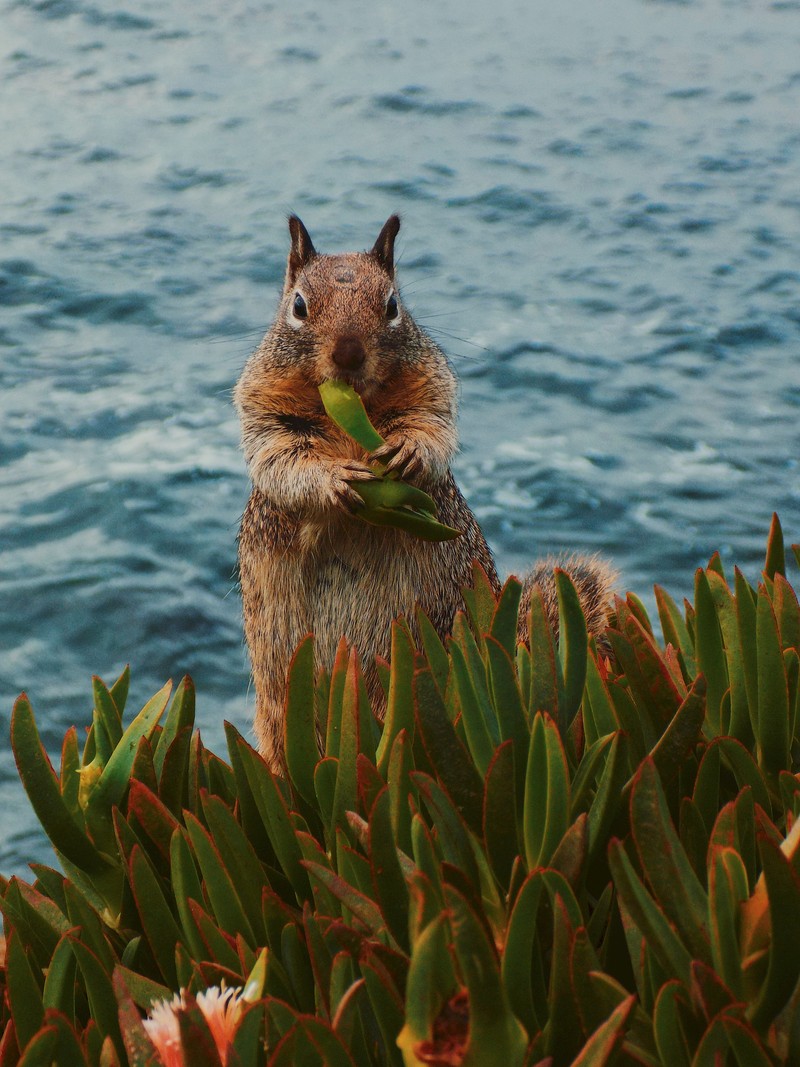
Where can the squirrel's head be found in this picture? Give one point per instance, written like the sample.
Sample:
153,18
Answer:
344,310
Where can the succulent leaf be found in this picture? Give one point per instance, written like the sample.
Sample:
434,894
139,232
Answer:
454,767
494,1031
43,791
665,864
503,627
476,712
346,408
607,1038
783,892
544,676
711,659
431,981
400,701
547,793
648,917
774,717
99,991
114,779
775,563
24,991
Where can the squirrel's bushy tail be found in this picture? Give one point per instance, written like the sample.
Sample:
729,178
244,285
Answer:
593,578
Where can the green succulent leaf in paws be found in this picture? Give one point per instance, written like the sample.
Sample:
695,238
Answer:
387,500
345,407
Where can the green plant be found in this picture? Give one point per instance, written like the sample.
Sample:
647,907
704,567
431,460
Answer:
387,501
544,854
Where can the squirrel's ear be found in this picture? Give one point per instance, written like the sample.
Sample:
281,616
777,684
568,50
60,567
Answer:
383,249
302,251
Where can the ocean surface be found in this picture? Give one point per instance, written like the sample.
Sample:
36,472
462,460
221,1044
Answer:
601,225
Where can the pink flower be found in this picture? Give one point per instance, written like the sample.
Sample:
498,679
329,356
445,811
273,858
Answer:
163,1030
221,1009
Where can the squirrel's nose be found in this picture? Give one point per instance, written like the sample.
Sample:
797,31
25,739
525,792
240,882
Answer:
348,353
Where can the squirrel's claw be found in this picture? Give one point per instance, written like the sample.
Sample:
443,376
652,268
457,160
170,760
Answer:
354,471
385,452
343,494
402,459
346,497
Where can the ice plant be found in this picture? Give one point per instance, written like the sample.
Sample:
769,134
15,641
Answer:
543,854
221,1009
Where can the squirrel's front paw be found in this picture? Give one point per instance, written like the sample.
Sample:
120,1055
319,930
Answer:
343,495
401,456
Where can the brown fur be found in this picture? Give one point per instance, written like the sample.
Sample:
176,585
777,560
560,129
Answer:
306,564
593,579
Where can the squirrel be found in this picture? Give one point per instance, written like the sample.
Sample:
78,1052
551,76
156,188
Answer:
306,564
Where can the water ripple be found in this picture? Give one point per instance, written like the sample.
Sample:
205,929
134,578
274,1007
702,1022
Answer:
601,225
418,99
528,207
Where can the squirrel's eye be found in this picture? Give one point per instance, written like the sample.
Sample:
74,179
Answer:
392,309
299,307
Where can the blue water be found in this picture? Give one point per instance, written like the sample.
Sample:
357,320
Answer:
601,225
